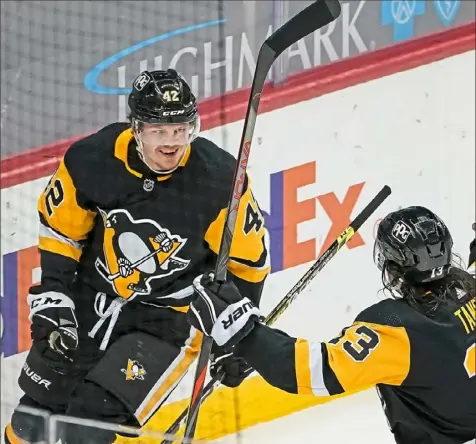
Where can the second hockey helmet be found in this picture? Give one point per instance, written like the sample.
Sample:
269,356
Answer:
416,243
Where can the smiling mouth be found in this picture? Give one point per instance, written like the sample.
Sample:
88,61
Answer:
168,152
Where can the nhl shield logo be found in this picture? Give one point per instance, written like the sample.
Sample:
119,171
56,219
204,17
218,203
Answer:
447,10
148,185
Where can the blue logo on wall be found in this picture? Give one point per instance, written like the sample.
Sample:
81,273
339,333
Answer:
401,14
447,10
91,80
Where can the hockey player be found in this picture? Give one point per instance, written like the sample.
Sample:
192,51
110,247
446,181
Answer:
418,347
133,213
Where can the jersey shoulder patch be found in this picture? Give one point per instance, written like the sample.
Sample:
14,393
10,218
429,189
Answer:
91,160
216,160
209,161
95,148
387,312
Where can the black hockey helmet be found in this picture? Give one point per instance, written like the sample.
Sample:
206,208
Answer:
162,97
415,243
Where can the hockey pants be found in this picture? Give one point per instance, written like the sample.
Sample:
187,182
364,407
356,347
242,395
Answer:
130,358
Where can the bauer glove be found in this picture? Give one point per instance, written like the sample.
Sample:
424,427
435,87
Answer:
220,311
53,320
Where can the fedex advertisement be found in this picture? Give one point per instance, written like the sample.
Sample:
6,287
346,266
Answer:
287,212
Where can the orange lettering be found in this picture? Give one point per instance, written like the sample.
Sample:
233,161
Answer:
28,260
294,212
340,213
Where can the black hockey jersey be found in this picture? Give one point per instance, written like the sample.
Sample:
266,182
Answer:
127,232
424,368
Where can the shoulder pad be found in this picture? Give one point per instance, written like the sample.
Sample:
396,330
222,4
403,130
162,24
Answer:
386,312
91,160
96,147
217,159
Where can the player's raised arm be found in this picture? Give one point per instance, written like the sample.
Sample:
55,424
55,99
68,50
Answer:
249,258
364,355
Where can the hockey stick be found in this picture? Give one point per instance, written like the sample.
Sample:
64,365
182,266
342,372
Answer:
344,237
315,16
287,300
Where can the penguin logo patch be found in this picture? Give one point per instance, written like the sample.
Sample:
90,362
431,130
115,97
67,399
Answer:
134,371
137,252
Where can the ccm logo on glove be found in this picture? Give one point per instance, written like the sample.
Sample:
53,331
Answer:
50,299
41,302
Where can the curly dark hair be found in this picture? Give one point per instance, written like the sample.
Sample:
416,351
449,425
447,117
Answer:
427,297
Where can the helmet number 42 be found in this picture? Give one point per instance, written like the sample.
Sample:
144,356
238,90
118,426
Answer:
171,96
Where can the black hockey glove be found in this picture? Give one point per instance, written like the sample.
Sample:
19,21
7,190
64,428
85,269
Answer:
220,311
227,368
53,320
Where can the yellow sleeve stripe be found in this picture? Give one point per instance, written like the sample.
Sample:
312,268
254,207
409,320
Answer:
303,371
248,273
58,247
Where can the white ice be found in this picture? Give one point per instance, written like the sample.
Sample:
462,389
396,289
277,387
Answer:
357,419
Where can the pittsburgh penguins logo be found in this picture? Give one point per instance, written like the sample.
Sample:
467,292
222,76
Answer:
136,252
134,371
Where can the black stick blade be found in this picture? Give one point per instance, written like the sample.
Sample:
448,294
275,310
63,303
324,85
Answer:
371,207
315,16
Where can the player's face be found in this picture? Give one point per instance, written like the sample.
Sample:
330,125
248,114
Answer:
164,145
